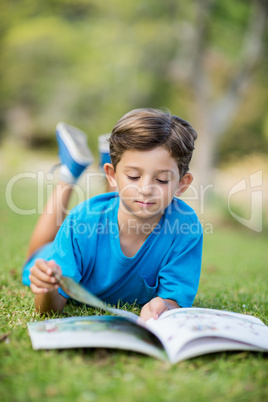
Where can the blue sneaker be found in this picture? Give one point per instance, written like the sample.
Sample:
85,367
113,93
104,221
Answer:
73,150
104,150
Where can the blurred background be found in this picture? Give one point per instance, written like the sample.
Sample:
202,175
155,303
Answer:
88,62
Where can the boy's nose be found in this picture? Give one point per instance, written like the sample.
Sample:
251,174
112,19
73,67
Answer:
146,188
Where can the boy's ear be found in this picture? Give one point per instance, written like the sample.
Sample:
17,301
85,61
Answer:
110,174
184,183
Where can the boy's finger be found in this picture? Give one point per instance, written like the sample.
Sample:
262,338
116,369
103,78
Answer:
55,267
43,265
36,290
52,264
158,306
36,272
42,284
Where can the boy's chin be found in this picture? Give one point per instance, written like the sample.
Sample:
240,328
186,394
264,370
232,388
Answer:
145,215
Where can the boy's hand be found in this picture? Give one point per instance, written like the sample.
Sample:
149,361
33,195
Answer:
42,279
157,306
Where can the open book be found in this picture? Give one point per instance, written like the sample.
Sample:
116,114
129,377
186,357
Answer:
176,335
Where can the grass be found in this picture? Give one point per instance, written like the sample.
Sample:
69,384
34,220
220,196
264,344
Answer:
234,277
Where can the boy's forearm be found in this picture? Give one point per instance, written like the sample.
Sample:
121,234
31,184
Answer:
49,302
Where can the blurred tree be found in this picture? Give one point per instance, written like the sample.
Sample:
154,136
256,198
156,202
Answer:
216,108
88,62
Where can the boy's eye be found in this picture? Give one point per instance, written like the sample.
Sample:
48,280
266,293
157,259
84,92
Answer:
133,177
162,181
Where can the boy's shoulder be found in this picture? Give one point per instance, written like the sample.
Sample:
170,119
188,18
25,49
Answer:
181,219
99,203
178,209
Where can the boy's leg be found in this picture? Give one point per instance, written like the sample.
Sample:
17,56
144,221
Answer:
75,157
52,217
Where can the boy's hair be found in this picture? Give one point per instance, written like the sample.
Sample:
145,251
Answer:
146,129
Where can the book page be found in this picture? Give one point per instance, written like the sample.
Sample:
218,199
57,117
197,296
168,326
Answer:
198,347
93,332
79,293
179,327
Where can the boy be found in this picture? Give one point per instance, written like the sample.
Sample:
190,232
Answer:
138,244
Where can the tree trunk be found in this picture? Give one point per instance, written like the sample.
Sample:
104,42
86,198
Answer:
214,115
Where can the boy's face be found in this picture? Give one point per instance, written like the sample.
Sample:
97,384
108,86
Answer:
147,182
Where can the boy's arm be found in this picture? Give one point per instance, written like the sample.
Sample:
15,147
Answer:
45,287
52,301
157,306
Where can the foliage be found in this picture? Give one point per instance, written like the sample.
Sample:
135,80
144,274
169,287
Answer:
88,62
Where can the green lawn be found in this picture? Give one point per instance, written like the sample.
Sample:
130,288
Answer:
234,277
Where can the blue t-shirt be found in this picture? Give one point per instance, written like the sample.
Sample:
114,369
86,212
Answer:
168,264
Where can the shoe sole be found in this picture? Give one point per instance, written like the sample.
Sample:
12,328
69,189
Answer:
65,132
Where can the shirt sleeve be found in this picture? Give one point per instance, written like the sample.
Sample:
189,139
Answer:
66,251
179,277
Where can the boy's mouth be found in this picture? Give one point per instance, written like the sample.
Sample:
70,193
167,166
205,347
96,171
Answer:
145,203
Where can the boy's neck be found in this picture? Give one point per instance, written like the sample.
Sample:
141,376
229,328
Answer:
133,232
132,226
